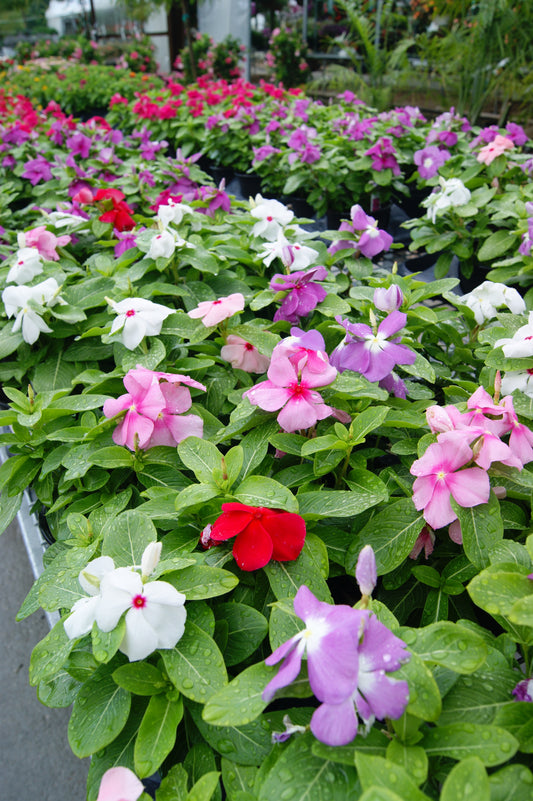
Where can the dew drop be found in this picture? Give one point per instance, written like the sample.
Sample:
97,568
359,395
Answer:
287,793
226,747
187,683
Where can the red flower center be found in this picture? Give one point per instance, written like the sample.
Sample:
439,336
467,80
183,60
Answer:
139,602
248,346
216,302
270,219
130,312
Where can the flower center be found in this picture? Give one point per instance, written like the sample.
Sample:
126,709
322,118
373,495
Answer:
441,475
130,313
248,346
139,602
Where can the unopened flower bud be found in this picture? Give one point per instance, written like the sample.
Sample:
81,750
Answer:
365,571
388,300
150,558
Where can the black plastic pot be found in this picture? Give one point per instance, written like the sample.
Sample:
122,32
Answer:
249,184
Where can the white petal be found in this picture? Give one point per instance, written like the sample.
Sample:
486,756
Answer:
97,569
140,640
117,588
82,617
133,332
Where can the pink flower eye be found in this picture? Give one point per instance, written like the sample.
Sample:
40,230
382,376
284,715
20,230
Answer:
139,602
248,346
130,313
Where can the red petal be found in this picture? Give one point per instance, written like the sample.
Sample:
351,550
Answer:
238,507
229,524
287,531
253,547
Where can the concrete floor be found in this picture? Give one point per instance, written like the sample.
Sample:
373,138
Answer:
36,760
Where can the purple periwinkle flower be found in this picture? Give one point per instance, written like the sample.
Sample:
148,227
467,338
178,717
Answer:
429,159
388,300
264,152
79,145
383,156
303,296
366,570
36,170
367,237
126,241
394,384
330,640
524,690
373,353
516,133
375,695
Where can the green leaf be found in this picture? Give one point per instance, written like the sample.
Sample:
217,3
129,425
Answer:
79,403
247,628
50,654
392,534
412,758
496,591
264,491
376,743
512,783
173,787
117,753
450,645
195,494
113,456
247,745
157,734
367,421
195,665
482,529
237,778
60,692
9,507
240,701
468,781
424,696
204,787
286,578
522,612
200,456
106,644
140,678
496,245
309,777
491,744
375,771
366,491
201,581
99,713
126,536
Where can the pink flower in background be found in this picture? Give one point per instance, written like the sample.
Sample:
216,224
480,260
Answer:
367,237
45,241
212,312
440,477
429,159
494,149
120,784
303,295
36,170
243,355
383,155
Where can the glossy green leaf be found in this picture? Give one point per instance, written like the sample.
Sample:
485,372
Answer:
202,581
241,700
374,771
264,491
247,628
200,456
126,536
157,734
140,678
468,781
482,529
195,665
50,654
99,713
491,744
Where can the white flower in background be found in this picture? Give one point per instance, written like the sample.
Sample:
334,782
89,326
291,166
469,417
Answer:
28,263
164,244
486,298
271,215
63,219
172,212
28,304
155,613
294,257
517,380
83,613
452,193
520,346
150,558
136,319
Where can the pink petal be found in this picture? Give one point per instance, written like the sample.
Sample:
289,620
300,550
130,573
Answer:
469,487
119,784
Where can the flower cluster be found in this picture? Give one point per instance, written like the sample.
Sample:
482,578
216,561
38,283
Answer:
154,409
349,653
366,237
155,614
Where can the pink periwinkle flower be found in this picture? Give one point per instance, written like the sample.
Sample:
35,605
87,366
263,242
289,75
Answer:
367,238
44,241
424,542
120,784
154,404
306,349
374,695
242,355
212,312
291,389
303,293
383,156
373,353
440,477
494,149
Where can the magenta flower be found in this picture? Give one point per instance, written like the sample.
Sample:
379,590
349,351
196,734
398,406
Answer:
440,477
291,389
243,355
429,159
44,241
154,406
36,170
367,237
383,156
79,145
372,353
330,641
374,695
303,295
212,312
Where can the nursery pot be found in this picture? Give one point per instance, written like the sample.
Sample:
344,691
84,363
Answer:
249,184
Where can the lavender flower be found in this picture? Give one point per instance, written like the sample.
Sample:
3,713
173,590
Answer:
524,690
36,170
304,294
367,237
366,571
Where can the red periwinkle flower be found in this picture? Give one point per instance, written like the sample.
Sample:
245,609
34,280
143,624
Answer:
261,534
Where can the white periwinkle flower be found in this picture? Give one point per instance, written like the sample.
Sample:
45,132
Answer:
486,298
172,212
452,193
293,256
150,558
164,244
27,305
520,380
83,613
520,346
271,215
155,613
28,263
136,319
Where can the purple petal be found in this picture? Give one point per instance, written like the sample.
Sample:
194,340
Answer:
335,724
287,672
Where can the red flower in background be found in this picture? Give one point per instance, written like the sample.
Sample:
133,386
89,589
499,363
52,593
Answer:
261,534
119,212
